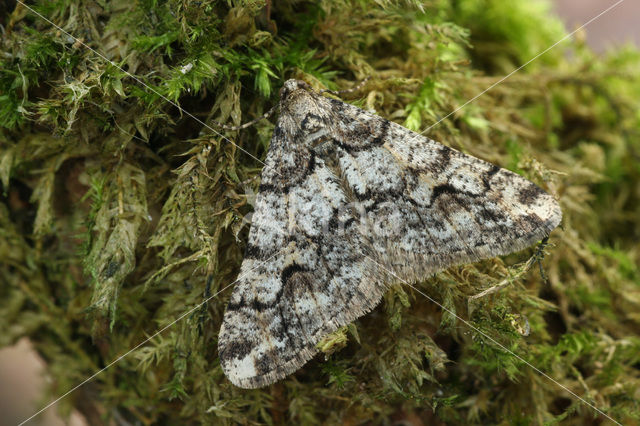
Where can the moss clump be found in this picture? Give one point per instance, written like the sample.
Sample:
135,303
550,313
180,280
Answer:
119,212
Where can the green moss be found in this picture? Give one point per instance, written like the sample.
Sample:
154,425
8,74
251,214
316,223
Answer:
120,213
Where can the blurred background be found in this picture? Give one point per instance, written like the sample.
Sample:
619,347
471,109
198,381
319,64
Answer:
22,372
615,28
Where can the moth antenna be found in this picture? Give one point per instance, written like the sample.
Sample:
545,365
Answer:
249,123
345,91
273,108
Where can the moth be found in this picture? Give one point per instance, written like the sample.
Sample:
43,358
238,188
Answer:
347,201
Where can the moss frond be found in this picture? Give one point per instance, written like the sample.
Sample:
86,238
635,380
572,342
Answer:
119,212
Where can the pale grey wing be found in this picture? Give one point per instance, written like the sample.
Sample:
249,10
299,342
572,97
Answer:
300,279
342,190
428,206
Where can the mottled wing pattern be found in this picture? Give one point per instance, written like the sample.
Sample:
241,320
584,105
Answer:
342,192
301,277
428,206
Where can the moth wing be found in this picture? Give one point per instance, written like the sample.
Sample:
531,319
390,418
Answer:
344,192
428,206
299,280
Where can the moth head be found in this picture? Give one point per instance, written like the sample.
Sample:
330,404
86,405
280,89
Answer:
291,87
297,101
